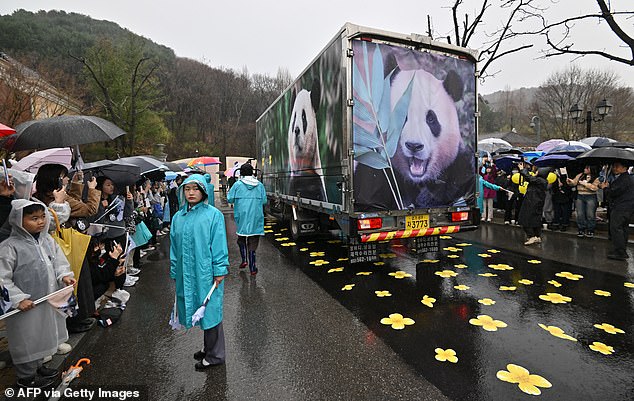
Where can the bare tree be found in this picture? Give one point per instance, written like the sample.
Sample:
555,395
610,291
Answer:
558,34
585,88
501,40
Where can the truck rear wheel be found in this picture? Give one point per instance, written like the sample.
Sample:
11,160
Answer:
294,229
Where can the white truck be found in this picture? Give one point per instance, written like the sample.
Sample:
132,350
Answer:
376,138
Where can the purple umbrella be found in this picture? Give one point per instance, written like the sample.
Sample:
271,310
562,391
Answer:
549,144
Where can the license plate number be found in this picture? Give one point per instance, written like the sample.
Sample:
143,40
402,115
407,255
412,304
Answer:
417,222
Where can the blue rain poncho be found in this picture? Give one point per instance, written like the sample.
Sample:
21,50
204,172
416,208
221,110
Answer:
198,253
248,196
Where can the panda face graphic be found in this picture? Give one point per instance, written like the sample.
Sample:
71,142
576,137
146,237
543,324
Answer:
302,132
430,137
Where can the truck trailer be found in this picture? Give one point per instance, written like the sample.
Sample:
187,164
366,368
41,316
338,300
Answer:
375,139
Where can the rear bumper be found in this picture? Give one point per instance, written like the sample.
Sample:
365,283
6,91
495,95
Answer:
389,235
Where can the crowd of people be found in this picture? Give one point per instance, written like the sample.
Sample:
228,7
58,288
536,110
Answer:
534,198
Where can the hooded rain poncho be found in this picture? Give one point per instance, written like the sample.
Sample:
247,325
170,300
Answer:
248,196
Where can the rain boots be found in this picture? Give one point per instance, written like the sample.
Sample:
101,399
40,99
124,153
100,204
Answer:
243,255
252,268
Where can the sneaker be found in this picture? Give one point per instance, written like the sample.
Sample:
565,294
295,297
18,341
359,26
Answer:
590,234
64,348
512,221
34,382
47,373
581,234
242,265
199,355
531,241
150,248
506,223
202,365
133,271
142,253
489,220
47,359
538,240
129,281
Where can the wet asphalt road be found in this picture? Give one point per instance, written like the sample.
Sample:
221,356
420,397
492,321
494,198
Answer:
295,333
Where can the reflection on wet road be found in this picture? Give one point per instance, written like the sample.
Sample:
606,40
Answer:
486,324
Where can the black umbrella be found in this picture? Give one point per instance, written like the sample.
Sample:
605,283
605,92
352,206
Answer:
508,151
606,155
175,167
61,131
147,164
624,145
121,174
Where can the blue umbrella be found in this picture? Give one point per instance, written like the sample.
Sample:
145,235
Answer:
506,162
554,160
572,148
532,155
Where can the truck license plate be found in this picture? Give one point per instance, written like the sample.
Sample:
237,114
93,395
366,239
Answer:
417,222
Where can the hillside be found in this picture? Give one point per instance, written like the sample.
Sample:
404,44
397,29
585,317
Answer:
522,96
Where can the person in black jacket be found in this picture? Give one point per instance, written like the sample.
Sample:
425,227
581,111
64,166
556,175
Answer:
562,202
621,200
530,217
106,267
6,196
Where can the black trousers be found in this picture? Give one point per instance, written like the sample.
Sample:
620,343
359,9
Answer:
214,344
562,213
619,230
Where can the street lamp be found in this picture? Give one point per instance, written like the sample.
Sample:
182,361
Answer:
603,108
536,124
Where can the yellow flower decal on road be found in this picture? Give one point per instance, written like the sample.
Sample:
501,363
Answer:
488,323
382,294
602,293
569,276
446,273
608,328
310,242
267,226
453,256
428,301
452,249
487,274
320,262
281,239
461,287
602,348
303,249
364,273
283,229
526,382
341,259
347,287
335,269
535,261
334,241
501,266
430,261
445,237
397,321
289,244
525,281
464,244
268,231
555,298
315,254
277,234
628,284
400,274
446,355
484,255
493,251
461,266
557,332
507,288
555,283
387,255
379,263
486,301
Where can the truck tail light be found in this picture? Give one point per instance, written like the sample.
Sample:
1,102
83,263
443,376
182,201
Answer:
369,224
459,216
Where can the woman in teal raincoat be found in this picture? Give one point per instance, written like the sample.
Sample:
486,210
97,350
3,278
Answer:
248,197
198,257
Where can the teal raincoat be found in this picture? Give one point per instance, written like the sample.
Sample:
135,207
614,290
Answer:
481,184
198,253
248,196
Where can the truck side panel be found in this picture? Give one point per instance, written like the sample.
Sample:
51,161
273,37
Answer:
413,128
301,135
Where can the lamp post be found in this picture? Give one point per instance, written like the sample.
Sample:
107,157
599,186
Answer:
537,126
603,108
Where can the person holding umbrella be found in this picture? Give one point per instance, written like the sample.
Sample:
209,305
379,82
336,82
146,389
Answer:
621,200
199,259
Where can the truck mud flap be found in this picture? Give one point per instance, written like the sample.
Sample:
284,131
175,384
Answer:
362,253
422,245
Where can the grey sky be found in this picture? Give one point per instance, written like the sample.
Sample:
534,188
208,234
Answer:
265,35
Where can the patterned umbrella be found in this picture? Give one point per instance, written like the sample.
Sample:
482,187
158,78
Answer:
204,161
4,130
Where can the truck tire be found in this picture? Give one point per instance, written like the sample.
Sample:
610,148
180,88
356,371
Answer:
294,229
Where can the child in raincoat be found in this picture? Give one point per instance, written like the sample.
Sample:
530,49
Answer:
248,196
198,257
32,265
